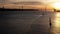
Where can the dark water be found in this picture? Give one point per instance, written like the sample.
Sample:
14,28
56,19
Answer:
28,22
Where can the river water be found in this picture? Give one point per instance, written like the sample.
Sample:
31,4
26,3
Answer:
29,22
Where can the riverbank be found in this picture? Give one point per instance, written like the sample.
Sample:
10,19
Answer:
3,9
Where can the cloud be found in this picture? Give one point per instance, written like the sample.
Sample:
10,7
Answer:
29,1
23,1
1,1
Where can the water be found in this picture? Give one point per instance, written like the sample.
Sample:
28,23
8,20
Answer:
29,22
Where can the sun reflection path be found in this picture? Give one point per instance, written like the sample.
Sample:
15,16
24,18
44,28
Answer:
56,26
57,20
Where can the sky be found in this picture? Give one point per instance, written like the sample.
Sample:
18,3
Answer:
1,1
46,2
42,1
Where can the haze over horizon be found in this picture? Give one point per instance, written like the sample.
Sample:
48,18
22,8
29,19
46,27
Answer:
30,3
41,1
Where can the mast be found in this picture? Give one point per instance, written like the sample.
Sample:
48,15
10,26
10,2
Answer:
3,4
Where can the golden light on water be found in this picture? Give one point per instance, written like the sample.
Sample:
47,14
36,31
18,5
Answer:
57,20
56,24
57,15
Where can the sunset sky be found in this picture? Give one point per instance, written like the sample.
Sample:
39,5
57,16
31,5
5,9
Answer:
10,3
42,1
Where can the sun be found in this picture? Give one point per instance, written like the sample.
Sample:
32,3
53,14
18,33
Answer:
56,5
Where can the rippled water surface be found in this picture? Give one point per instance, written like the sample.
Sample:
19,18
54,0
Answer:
29,22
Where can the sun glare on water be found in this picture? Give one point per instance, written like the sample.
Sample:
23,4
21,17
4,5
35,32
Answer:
56,5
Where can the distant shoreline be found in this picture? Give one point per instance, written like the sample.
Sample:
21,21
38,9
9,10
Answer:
3,9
